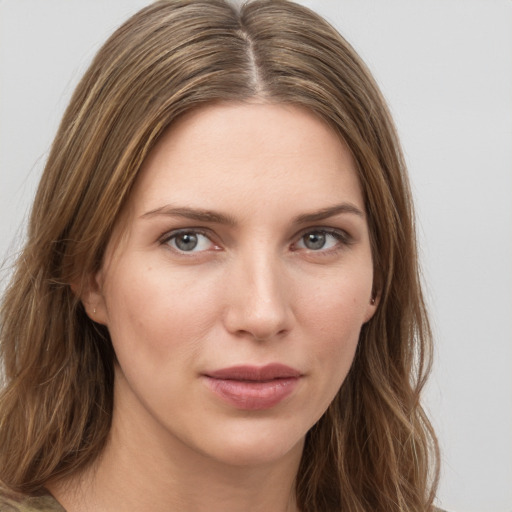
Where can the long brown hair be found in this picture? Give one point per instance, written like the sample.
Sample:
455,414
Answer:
374,449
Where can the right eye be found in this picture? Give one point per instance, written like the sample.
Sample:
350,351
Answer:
188,241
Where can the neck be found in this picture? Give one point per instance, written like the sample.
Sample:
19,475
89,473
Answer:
145,468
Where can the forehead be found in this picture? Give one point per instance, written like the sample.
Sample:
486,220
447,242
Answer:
247,150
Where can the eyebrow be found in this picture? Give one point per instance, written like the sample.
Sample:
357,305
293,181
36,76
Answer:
198,214
203,215
330,211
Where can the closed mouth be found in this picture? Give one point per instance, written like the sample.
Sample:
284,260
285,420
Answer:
251,373
251,387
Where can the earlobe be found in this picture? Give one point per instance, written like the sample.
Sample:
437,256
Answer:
372,306
90,292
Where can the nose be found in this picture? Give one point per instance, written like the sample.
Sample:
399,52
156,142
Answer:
258,304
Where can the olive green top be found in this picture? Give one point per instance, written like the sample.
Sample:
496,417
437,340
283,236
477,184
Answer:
45,503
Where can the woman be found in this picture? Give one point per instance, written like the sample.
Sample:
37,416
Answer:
218,306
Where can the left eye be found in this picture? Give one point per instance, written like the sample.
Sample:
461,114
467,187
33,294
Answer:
189,241
319,240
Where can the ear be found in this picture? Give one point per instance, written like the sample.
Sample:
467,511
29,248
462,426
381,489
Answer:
371,308
89,289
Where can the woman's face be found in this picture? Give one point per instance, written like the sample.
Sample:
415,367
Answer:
235,296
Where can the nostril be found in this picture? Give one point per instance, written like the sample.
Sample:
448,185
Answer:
260,324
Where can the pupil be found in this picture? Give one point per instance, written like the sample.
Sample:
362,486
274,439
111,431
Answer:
186,242
314,240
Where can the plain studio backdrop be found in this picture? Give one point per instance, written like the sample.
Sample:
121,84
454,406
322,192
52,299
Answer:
445,67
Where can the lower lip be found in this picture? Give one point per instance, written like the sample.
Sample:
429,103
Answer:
253,395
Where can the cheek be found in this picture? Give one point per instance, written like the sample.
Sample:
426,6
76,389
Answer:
152,311
336,314
341,304
336,338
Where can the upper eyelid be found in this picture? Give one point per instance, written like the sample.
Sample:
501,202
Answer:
325,229
344,235
196,230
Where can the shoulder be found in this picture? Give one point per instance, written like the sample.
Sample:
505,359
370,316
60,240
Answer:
44,503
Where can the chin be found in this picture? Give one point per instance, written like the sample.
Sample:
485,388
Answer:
256,446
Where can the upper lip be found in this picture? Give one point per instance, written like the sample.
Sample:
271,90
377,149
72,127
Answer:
255,373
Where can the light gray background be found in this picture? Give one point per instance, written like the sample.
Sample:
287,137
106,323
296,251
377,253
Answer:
445,67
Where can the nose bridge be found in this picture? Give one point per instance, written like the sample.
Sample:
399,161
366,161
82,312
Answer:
258,302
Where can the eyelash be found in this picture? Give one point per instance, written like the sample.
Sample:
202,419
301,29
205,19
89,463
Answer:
341,236
185,231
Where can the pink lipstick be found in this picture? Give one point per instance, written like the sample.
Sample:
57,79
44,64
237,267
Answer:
252,387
